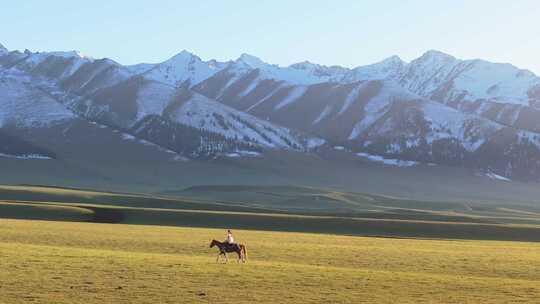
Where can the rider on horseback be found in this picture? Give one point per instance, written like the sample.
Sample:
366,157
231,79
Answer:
230,238
230,246
229,241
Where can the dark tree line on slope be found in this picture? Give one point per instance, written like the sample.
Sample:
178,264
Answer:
189,141
14,146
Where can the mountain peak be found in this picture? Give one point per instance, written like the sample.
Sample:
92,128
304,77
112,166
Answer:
319,70
388,68
3,49
304,65
183,56
251,61
185,52
393,59
434,54
69,54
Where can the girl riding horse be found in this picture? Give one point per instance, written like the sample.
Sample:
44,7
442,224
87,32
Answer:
225,247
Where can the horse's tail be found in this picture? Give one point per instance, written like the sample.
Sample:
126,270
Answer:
244,251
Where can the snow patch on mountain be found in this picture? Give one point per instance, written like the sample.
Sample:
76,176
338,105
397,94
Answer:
530,137
295,93
323,114
152,99
242,153
496,82
350,99
441,76
446,122
32,60
378,105
321,71
25,156
250,88
498,177
388,161
129,137
69,54
268,96
291,75
202,113
3,50
24,106
364,124
315,142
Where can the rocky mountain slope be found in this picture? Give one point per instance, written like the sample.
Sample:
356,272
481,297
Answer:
499,92
184,69
40,89
435,109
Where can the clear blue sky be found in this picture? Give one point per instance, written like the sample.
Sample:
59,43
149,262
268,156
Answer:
348,32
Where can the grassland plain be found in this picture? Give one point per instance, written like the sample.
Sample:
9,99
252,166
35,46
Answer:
65,262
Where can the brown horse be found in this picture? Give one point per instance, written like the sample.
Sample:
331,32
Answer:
224,248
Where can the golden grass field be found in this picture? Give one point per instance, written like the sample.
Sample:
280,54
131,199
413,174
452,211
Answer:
63,262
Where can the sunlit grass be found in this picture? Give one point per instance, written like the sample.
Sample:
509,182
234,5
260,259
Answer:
53,262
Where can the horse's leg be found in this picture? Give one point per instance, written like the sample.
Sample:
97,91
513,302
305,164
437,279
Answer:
239,256
243,253
226,257
217,258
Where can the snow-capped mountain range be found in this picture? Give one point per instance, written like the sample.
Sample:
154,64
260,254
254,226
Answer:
151,102
434,109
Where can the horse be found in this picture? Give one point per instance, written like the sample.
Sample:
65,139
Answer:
226,247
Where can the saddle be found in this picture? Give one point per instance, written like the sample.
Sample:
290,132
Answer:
232,247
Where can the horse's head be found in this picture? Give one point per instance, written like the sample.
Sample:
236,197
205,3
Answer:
213,243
